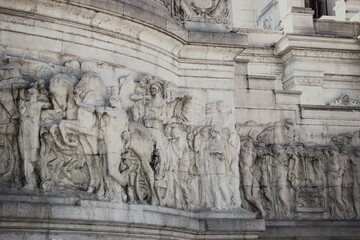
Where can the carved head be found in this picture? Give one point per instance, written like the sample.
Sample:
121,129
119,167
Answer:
289,123
155,89
220,106
144,82
248,144
318,151
345,150
178,130
211,108
215,132
204,132
115,101
39,83
33,94
261,149
135,113
276,148
300,149
357,151
333,149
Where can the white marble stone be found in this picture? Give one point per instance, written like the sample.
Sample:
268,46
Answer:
167,119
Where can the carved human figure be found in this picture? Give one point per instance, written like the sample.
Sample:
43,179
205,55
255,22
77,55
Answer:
88,96
233,149
178,167
154,120
30,112
141,136
292,133
355,162
355,138
10,83
114,123
347,177
202,163
139,98
247,162
298,165
219,117
61,91
279,179
262,159
131,175
43,94
318,165
335,171
218,165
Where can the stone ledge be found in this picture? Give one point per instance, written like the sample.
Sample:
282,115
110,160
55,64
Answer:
307,229
288,97
288,42
266,82
162,22
325,112
71,217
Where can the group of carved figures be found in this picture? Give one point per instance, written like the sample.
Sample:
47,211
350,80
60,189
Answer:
130,142
284,177
133,142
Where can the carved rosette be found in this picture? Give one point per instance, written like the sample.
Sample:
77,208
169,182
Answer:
344,100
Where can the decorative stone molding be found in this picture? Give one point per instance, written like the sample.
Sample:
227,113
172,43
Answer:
299,21
287,97
62,217
344,100
202,15
303,79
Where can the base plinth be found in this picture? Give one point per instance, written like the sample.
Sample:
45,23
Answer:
53,217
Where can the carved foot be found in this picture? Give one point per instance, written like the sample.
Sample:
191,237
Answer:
154,201
91,189
29,187
261,215
101,192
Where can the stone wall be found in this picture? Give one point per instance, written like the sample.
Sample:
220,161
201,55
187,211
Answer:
152,115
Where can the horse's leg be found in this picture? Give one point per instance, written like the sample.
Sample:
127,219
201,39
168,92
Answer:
114,160
150,177
63,126
90,161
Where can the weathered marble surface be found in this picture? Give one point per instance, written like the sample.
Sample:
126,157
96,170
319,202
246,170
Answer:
123,107
130,142
57,217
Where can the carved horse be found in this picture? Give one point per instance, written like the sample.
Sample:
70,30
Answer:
88,95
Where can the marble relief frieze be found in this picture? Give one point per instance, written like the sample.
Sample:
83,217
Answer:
285,176
133,139
65,129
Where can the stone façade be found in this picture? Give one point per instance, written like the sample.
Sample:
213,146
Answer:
224,121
